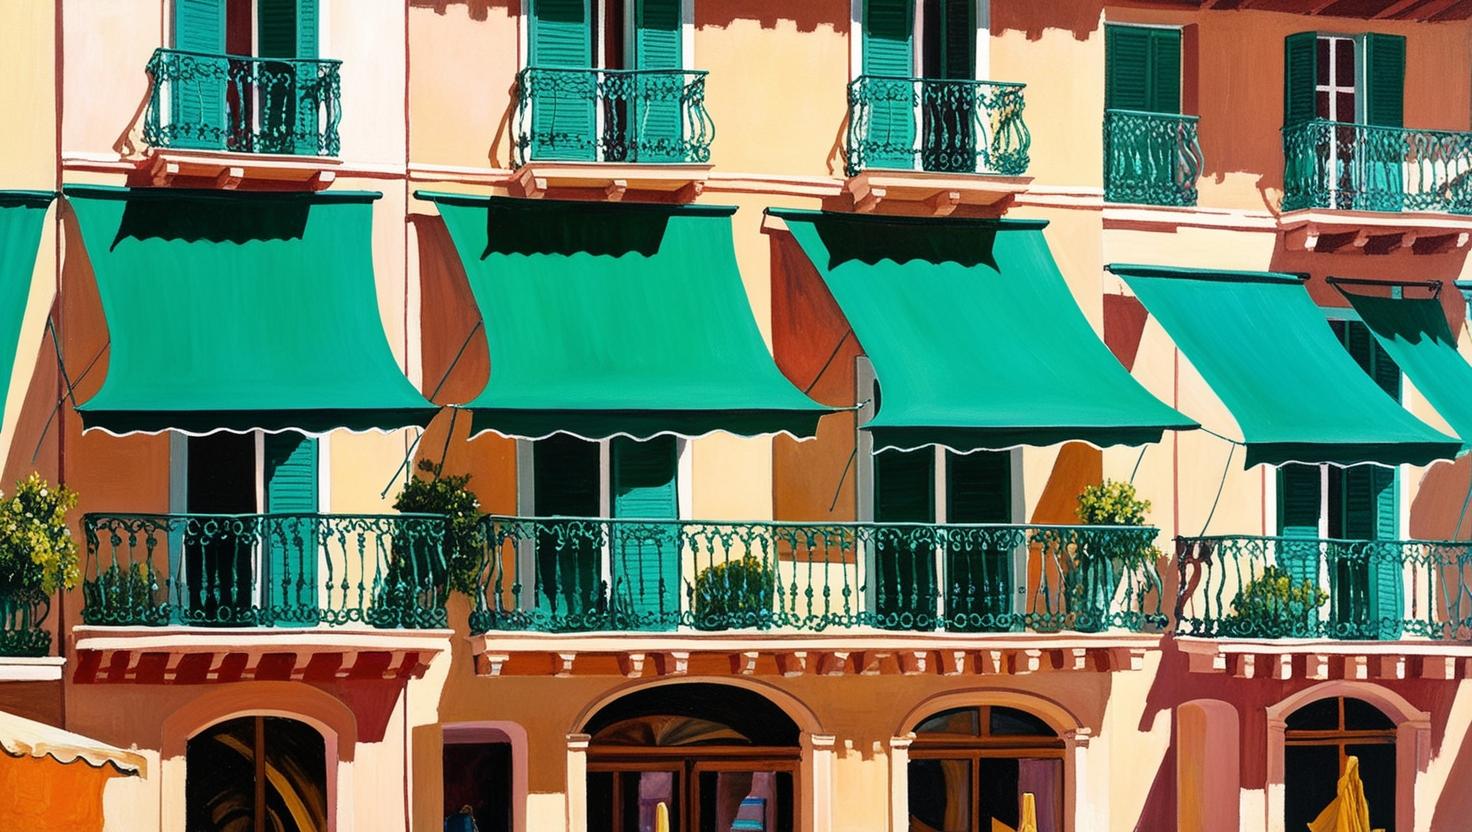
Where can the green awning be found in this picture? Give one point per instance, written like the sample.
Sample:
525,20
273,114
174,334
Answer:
21,214
1268,353
606,320
974,336
1415,333
239,311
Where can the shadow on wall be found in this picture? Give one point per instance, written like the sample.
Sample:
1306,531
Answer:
477,9
806,15
1081,19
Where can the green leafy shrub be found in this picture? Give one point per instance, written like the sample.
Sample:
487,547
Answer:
37,550
735,593
1275,605
452,497
1112,503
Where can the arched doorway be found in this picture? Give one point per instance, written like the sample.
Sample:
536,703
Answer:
1318,739
256,774
717,757
970,767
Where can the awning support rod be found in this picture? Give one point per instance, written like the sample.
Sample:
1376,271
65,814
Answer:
1433,285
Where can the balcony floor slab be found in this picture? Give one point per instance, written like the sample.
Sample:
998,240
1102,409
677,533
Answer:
933,193
765,653
611,180
191,655
227,170
1319,659
31,668
1374,232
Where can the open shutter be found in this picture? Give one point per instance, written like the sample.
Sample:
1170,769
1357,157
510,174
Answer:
1385,80
646,558
562,103
1299,503
978,575
958,40
1300,77
657,117
292,530
197,101
1165,70
1126,68
904,492
568,585
889,51
290,92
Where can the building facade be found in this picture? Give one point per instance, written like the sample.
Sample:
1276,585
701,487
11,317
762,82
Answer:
808,362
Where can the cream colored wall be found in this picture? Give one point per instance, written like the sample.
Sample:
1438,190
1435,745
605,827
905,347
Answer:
28,85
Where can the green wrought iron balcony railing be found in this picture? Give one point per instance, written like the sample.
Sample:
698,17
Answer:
560,574
1360,167
264,570
636,116
930,124
241,104
1283,587
1151,158
23,612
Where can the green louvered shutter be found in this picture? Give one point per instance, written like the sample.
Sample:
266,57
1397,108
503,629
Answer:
904,492
1165,70
979,573
1300,78
290,466
949,115
197,104
1385,80
1126,68
1142,69
646,559
289,91
568,585
889,50
1385,151
1300,490
657,112
1371,511
563,103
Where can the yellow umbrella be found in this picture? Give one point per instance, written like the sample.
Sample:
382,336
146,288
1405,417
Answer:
661,817
1029,822
1348,811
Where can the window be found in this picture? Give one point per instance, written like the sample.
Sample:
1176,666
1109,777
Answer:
1356,503
709,757
632,571
1142,68
938,41
585,104
1337,89
231,566
255,774
1318,741
934,485
970,769
477,784
252,105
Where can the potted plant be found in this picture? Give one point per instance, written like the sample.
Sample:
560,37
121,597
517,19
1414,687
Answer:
1274,605
38,555
425,562
737,593
1097,560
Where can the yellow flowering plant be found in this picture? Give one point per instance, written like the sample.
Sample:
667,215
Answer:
37,549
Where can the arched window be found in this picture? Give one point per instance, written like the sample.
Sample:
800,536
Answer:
716,757
1318,740
256,774
970,767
